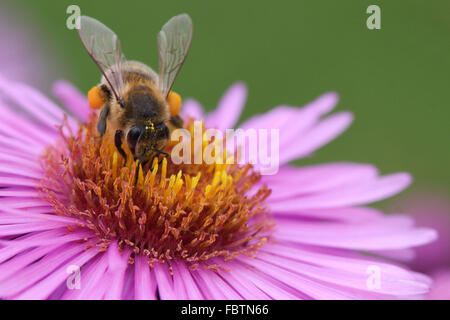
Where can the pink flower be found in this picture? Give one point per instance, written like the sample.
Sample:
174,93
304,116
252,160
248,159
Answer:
20,37
314,250
432,210
441,286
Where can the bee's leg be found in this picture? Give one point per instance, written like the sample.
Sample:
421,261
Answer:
162,152
165,154
177,121
138,168
141,163
118,142
101,124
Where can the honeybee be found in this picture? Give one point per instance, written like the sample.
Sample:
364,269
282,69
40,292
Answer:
137,103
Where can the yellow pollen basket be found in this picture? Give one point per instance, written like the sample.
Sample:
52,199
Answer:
174,101
95,98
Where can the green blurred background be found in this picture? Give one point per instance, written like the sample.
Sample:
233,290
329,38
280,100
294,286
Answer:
395,80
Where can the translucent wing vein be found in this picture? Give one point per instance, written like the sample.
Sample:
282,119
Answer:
174,41
103,45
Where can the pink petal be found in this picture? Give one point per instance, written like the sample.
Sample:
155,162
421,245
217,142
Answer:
41,100
31,101
27,227
393,282
15,152
317,178
280,117
9,251
165,283
302,284
218,289
14,203
128,287
387,234
117,266
229,108
144,280
92,285
45,287
325,131
42,217
72,98
19,192
209,291
28,276
270,286
404,255
350,215
293,122
241,284
17,181
182,276
27,150
441,286
46,238
23,259
12,125
20,171
370,191
192,109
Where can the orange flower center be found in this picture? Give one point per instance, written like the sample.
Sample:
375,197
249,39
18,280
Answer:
192,212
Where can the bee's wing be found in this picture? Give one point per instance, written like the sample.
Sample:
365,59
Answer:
174,41
103,45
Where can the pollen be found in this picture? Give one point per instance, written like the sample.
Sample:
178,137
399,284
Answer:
150,126
174,101
95,98
199,213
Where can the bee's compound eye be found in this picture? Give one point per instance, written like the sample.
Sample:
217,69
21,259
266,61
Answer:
133,136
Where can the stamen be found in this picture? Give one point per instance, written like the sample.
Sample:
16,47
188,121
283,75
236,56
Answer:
186,211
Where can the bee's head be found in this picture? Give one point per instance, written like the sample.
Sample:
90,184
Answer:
146,141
